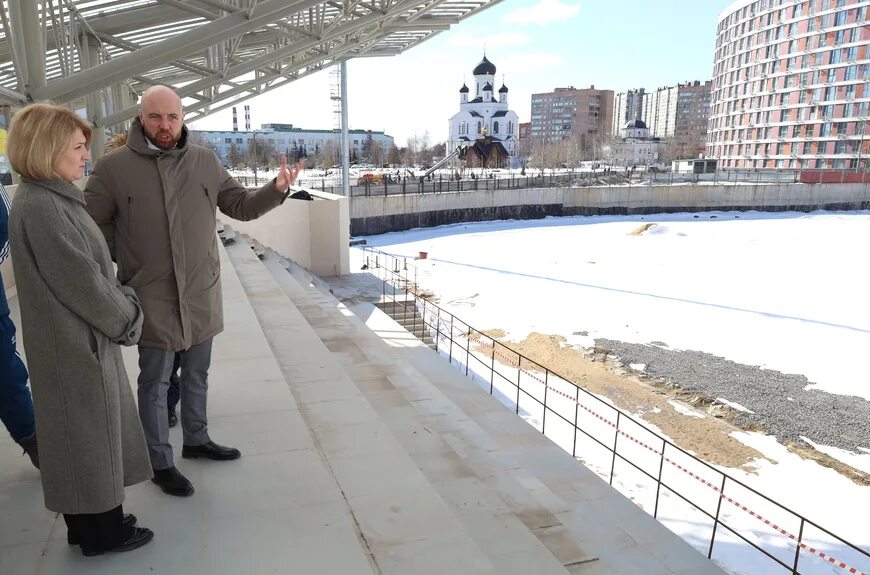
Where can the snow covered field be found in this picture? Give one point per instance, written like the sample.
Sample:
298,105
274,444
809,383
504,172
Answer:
783,291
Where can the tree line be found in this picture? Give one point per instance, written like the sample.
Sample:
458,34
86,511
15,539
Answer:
263,153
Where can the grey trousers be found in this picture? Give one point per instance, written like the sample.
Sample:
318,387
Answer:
155,367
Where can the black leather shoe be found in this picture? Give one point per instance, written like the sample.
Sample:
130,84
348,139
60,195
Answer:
210,450
173,419
171,481
140,536
129,520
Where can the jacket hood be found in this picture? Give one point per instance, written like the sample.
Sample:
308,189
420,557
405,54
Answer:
136,141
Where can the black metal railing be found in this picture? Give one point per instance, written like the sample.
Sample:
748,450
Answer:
587,422
392,185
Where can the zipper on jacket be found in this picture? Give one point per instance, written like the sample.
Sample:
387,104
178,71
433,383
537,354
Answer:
129,213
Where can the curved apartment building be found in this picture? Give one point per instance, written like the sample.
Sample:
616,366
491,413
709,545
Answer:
791,85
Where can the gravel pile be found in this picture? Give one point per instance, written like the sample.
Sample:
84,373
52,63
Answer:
779,402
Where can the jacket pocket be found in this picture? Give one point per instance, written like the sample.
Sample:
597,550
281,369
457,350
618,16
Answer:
93,345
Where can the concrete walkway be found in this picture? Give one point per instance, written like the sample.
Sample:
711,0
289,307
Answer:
358,457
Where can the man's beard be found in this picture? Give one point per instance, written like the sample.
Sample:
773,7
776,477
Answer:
155,139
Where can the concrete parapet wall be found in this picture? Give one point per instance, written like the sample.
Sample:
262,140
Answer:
315,234
376,215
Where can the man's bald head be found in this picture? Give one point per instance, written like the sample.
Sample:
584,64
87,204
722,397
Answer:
162,116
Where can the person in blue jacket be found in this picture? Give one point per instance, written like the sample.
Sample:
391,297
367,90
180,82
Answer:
16,404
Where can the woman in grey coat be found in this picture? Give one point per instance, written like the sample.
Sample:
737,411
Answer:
74,316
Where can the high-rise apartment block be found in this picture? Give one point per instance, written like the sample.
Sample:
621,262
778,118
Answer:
570,113
791,85
679,112
627,107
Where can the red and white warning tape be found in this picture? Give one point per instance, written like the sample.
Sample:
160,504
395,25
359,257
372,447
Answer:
803,546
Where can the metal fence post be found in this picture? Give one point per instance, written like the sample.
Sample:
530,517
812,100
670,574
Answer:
797,551
716,520
467,350
492,369
450,353
576,420
659,481
437,328
546,387
615,440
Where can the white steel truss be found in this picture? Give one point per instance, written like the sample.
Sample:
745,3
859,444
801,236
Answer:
214,52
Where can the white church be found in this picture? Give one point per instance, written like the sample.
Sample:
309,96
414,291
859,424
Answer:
483,114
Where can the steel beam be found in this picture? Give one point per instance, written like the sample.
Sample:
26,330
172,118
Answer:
345,137
91,52
121,68
11,97
31,47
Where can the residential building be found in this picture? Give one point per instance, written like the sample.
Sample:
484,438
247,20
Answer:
286,139
484,113
791,85
565,113
525,131
680,113
627,106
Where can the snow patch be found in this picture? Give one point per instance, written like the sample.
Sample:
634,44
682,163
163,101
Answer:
734,405
685,410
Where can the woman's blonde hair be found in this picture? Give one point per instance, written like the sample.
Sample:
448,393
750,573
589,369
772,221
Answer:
38,135
119,140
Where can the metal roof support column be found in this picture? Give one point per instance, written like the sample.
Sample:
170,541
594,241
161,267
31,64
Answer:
90,46
345,137
24,15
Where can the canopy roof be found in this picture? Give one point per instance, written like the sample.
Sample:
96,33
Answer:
215,52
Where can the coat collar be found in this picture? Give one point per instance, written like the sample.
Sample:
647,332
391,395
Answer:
61,188
137,142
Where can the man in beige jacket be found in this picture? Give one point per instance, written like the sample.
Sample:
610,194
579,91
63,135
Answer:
155,202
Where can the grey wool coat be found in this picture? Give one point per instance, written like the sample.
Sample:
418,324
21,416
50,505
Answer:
157,211
74,315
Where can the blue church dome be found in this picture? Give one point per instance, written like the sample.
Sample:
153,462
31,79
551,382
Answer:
485,67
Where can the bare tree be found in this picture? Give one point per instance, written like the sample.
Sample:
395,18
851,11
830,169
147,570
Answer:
376,153
234,156
259,151
393,156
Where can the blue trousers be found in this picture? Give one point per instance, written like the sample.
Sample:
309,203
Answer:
16,405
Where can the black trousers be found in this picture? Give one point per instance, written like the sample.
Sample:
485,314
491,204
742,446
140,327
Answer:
98,531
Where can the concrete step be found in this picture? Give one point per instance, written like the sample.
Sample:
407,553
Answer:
404,523
532,472
498,514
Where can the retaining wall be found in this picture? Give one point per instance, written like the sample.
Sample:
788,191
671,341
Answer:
377,215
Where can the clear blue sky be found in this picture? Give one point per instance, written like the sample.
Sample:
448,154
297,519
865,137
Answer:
537,44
